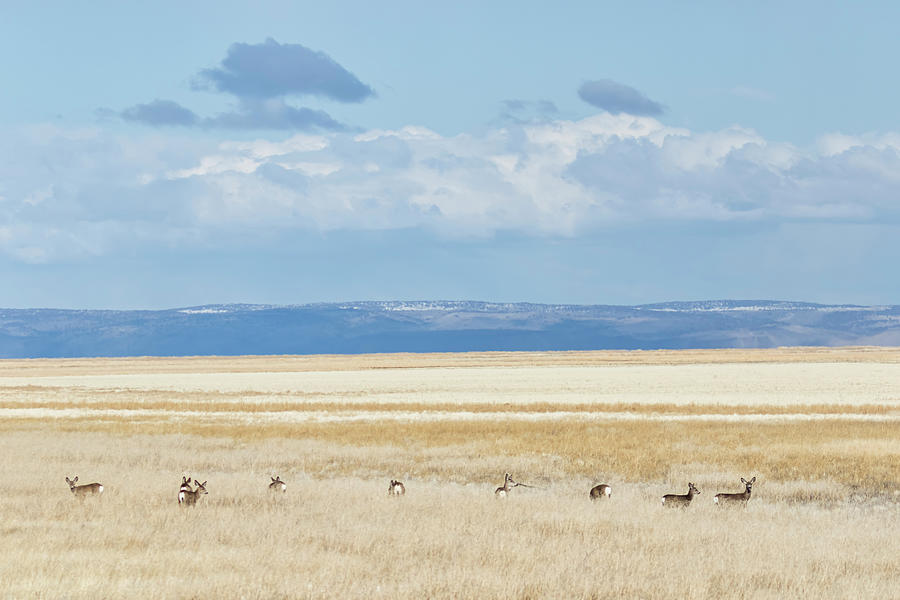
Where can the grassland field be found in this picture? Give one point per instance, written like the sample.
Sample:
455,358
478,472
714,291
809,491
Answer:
819,428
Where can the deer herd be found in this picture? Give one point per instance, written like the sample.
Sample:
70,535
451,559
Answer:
189,497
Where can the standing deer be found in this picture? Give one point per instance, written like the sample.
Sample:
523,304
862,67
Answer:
601,491
277,484
185,486
503,490
396,488
681,500
81,491
739,498
190,498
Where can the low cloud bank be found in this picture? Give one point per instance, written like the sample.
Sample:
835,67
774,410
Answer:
551,178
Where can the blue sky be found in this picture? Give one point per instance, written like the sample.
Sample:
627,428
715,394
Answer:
178,154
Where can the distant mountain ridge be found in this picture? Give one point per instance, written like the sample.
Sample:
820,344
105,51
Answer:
439,326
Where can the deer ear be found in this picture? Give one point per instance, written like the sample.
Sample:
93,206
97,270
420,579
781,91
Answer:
754,479
76,479
744,481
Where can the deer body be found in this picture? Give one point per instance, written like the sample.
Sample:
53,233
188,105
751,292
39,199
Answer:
735,499
277,484
396,488
503,490
81,491
188,497
601,491
681,500
185,486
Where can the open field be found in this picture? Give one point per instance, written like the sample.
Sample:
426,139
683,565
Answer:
820,428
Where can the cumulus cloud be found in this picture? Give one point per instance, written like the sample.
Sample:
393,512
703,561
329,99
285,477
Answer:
260,77
160,113
618,98
837,143
271,69
554,178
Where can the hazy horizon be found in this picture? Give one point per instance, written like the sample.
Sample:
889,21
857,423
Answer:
443,301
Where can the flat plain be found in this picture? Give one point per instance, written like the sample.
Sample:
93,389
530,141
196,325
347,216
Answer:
819,428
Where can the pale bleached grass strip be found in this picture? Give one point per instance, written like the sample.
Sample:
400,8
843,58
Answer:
350,416
848,384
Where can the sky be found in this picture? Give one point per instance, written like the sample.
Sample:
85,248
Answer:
160,155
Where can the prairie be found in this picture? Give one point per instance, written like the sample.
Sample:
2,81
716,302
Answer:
819,428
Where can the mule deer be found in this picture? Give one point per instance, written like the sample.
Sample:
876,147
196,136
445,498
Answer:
739,498
681,500
277,484
396,488
185,486
503,490
601,491
190,498
81,491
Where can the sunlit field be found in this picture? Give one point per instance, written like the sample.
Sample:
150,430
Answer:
818,428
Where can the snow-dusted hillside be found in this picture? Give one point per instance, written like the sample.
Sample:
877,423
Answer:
430,326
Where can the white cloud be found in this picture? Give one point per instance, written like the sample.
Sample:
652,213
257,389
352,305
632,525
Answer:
837,143
320,168
216,164
264,148
409,132
87,192
707,150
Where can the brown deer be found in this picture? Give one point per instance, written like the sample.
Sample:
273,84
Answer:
503,490
82,491
681,500
189,498
277,484
601,491
396,488
735,499
185,486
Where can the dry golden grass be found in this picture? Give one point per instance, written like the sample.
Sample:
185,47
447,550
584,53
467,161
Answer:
339,535
863,456
819,428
